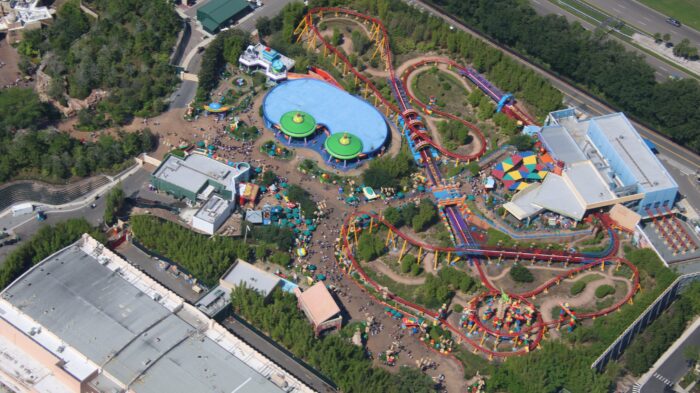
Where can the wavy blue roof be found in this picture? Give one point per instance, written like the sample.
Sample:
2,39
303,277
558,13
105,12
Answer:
336,109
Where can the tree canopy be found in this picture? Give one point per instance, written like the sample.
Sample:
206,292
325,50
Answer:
21,108
334,356
45,242
603,66
126,51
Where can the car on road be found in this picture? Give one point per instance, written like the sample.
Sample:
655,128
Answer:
92,205
673,22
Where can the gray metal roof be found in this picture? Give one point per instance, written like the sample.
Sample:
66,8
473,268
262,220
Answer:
194,171
561,145
555,195
589,183
84,303
631,148
113,323
253,277
200,365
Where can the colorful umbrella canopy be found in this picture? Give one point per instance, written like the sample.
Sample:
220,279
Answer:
513,175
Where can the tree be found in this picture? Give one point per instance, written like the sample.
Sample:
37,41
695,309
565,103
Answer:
113,204
393,216
578,287
360,42
604,290
521,142
657,38
269,178
520,273
21,108
370,247
427,216
264,26
281,258
337,38
667,37
407,262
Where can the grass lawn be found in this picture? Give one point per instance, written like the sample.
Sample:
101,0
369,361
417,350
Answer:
450,94
686,11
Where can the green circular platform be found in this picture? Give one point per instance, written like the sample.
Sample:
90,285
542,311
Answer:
343,146
297,124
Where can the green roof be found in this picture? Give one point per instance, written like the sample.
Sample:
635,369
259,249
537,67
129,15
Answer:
343,146
297,124
217,12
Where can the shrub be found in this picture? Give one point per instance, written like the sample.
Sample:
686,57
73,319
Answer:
407,263
280,258
604,290
458,308
578,287
520,273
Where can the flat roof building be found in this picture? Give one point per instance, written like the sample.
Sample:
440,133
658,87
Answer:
606,162
262,57
217,14
212,214
195,177
23,14
85,320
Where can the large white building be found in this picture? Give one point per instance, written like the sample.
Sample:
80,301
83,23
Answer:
85,320
272,63
606,162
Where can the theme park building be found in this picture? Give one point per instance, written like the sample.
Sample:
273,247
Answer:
199,178
272,63
86,320
604,161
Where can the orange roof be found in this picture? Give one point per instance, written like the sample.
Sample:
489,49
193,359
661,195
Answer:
546,158
624,217
319,303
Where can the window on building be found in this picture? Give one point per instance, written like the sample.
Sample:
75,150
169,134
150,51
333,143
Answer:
665,203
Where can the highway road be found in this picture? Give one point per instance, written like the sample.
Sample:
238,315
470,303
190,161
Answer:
662,69
646,19
673,368
679,161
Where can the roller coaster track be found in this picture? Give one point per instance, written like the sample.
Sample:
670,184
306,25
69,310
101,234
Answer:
468,248
582,263
307,26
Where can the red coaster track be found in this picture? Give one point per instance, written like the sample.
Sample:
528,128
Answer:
582,263
403,108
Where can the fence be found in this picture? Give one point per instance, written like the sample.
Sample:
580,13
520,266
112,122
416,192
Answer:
648,316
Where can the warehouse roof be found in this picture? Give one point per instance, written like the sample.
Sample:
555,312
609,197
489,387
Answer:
632,149
107,310
560,144
219,11
253,277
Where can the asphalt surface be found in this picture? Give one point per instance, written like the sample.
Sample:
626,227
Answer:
26,226
272,351
186,91
662,69
672,370
646,19
680,162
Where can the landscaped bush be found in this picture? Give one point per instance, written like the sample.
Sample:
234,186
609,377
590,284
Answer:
604,290
578,287
520,273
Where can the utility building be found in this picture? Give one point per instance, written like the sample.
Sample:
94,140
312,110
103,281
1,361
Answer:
217,14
